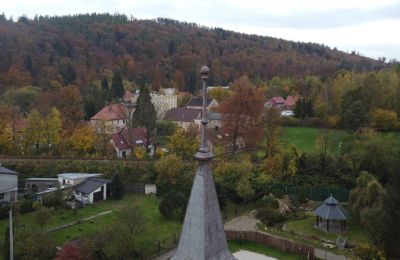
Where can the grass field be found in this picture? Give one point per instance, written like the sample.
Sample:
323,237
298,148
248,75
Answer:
355,234
159,228
305,138
235,246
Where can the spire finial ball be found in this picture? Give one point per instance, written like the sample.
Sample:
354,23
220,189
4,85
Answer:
204,71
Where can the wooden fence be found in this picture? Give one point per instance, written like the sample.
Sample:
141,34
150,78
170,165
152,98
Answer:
273,241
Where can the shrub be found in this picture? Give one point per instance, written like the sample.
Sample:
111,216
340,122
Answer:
368,252
270,216
173,205
53,199
26,206
268,202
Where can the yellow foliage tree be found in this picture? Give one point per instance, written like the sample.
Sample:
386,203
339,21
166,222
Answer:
83,139
183,143
169,169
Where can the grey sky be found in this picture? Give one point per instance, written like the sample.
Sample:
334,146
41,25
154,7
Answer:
368,26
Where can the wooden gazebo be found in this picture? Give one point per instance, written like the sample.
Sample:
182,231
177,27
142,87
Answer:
330,210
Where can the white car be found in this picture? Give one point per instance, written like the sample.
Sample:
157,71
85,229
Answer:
287,113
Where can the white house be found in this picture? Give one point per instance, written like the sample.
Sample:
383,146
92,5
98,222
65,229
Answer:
110,118
91,190
73,179
8,185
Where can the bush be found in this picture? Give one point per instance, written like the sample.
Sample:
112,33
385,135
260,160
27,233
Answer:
368,252
26,206
270,216
4,209
173,205
53,199
268,202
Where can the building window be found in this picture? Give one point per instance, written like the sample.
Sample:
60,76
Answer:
1,196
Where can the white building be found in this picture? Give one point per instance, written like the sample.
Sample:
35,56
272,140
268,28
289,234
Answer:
8,185
163,103
72,179
91,190
110,118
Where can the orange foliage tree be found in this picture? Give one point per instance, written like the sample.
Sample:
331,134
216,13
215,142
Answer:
241,113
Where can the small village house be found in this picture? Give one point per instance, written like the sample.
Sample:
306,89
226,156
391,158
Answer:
110,118
8,185
121,144
184,117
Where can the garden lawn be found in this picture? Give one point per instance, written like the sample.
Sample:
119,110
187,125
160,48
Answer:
159,228
355,233
305,138
235,246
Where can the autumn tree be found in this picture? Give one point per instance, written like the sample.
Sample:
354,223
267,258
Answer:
234,178
145,114
272,130
184,143
52,128
83,139
169,169
218,93
69,252
241,113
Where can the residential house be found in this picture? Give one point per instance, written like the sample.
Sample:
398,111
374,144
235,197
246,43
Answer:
110,118
290,102
197,103
282,104
121,144
214,120
34,185
184,117
276,102
8,185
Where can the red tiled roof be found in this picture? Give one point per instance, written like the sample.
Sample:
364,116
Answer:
277,100
291,101
183,114
111,112
120,138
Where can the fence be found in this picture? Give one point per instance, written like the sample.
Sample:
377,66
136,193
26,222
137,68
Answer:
272,241
316,193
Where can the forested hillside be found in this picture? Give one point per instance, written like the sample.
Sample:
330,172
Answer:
50,52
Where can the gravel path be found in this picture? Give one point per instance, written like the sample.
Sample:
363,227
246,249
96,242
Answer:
242,223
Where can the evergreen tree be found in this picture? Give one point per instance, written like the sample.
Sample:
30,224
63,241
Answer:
145,114
116,187
117,85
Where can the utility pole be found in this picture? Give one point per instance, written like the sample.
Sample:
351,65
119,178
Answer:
11,235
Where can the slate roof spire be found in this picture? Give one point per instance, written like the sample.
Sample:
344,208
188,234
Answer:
203,236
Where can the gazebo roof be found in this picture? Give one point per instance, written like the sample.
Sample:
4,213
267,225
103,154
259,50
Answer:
331,209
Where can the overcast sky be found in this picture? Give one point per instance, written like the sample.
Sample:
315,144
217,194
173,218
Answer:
371,27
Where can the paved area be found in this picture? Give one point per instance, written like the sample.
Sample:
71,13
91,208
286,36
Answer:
248,255
242,223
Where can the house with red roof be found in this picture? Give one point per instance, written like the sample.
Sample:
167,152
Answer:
276,102
290,102
121,143
110,118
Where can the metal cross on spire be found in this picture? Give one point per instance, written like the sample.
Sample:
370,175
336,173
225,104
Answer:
203,236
